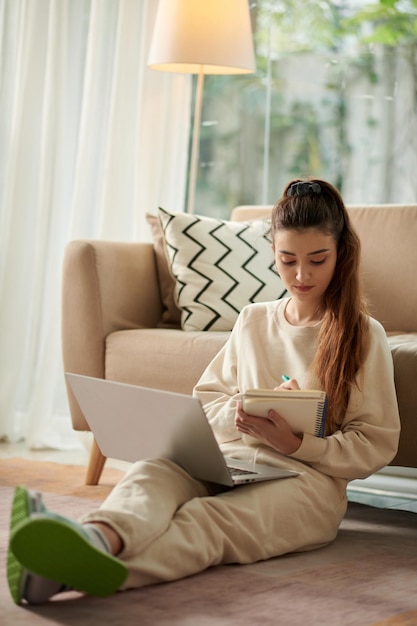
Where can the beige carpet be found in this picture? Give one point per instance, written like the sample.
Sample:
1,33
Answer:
65,480
367,577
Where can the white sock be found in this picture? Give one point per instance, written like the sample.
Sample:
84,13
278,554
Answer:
97,537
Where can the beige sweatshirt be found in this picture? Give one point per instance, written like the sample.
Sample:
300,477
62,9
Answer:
262,347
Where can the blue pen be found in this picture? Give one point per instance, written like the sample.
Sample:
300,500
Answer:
285,378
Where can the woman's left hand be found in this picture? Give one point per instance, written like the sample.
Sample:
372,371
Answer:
273,430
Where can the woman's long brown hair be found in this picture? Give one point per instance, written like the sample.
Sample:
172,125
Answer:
344,334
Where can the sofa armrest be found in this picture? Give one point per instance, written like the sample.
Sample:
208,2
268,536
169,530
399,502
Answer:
106,286
404,354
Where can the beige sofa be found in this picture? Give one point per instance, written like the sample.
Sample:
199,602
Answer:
113,315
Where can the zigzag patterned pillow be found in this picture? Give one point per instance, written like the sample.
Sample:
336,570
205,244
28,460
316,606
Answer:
219,267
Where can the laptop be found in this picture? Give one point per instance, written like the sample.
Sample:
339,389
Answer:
132,423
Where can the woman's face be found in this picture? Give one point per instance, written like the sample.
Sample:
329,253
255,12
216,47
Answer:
305,260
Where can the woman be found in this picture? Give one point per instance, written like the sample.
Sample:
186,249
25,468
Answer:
159,523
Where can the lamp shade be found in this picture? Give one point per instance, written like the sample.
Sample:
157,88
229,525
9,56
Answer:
202,36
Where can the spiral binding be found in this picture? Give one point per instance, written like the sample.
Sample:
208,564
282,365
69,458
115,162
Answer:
321,417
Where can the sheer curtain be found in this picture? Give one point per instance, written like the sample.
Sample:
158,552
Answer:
90,140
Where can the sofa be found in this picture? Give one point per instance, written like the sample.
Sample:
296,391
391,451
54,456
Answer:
121,320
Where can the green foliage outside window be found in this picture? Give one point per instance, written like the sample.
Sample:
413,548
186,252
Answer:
334,96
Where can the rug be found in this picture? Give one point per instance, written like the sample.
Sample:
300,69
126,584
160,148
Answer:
66,480
366,577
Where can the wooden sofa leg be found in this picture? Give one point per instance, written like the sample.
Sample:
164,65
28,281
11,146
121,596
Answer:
95,465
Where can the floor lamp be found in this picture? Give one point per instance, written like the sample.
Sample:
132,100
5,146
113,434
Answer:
202,37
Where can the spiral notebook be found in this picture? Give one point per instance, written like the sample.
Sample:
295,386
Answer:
304,409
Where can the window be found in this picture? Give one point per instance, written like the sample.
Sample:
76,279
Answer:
334,96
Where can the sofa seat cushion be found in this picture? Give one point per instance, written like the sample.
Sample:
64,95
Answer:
404,354
167,359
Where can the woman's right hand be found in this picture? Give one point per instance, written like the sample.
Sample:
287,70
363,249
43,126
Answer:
290,385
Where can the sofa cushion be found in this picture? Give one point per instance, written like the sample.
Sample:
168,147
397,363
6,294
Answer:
219,267
166,358
171,314
388,234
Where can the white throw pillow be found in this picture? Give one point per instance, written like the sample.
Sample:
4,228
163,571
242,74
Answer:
219,267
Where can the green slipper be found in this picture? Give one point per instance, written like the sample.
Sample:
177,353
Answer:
61,550
22,583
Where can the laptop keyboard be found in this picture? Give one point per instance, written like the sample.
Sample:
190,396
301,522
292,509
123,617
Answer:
236,471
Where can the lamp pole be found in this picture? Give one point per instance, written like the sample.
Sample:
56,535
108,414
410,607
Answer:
192,181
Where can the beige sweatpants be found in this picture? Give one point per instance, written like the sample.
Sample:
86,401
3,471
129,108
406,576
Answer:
173,526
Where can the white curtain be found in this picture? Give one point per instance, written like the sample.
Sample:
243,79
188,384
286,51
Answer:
90,140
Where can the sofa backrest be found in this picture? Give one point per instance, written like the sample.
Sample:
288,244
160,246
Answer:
388,234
